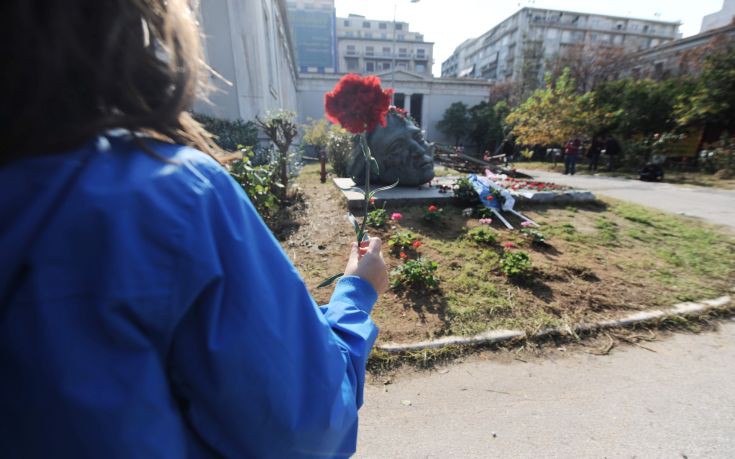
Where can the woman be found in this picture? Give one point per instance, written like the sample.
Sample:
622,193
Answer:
146,311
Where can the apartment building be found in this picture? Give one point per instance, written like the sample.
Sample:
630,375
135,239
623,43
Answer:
314,33
532,37
371,46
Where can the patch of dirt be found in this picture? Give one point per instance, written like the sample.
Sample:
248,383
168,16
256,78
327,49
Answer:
578,276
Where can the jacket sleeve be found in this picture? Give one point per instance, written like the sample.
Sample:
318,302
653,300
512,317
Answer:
258,368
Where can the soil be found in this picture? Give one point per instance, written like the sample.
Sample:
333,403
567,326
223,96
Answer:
577,277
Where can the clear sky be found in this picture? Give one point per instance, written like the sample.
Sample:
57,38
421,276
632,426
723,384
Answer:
450,22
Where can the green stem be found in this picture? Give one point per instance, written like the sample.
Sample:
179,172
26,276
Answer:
366,196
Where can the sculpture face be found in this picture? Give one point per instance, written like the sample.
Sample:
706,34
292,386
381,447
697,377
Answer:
401,152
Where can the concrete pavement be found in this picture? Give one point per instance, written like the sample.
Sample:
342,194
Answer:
710,204
675,400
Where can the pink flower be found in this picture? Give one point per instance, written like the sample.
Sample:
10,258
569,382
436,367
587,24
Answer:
526,224
486,221
432,208
395,216
403,255
372,201
417,244
508,245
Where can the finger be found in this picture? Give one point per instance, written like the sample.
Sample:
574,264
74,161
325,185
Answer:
354,253
375,245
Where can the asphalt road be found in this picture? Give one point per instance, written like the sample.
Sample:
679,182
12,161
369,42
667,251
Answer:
675,400
709,204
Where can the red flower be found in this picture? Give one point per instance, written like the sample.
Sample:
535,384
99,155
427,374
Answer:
432,208
399,110
372,201
508,245
489,197
358,104
403,255
417,244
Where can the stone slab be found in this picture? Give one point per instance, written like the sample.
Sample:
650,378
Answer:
431,194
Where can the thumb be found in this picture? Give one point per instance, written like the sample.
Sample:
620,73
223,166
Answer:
374,246
354,252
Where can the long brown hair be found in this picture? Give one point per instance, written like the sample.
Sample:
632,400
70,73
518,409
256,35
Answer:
75,68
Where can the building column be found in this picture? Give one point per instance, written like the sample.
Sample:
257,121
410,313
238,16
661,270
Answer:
407,103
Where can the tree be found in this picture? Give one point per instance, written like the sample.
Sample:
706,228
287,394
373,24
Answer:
712,102
553,115
456,122
487,124
281,129
589,67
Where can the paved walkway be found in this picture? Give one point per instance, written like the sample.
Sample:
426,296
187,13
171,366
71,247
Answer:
678,401
710,204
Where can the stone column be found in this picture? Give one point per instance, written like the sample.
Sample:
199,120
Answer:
407,103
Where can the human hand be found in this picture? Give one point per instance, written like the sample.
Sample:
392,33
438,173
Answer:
366,262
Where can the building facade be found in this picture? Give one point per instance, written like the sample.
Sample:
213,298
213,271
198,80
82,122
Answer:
253,67
532,37
680,57
722,18
426,98
313,29
369,46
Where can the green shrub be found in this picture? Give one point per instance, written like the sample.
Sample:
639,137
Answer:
482,235
339,151
401,241
258,182
416,273
229,135
515,264
536,236
377,218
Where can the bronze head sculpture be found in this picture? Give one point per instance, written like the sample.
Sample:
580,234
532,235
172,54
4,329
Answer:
400,151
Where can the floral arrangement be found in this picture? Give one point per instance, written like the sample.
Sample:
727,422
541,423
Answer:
514,184
359,105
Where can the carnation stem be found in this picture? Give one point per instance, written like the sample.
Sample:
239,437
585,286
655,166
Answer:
366,196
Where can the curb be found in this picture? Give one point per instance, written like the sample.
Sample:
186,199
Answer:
499,336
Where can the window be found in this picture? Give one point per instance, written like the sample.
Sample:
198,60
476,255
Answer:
369,66
402,52
420,68
352,64
386,51
383,26
399,26
366,25
401,36
347,23
349,34
402,66
384,36
351,49
369,51
552,33
386,65
420,53
367,35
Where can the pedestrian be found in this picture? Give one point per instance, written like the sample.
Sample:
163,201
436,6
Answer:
612,150
147,311
593,154
571,154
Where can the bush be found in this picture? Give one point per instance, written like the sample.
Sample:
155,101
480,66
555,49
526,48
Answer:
515,264
536,236
433,214
339,151
416,273
482,235
229,135
258,182
377,218
401,241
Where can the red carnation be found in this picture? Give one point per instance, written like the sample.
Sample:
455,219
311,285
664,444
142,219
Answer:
403,255
416,244
358,104
433,208
489,197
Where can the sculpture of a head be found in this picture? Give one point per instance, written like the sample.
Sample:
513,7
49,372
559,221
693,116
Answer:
401,152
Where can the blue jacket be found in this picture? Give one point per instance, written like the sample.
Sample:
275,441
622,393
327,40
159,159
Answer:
147,312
